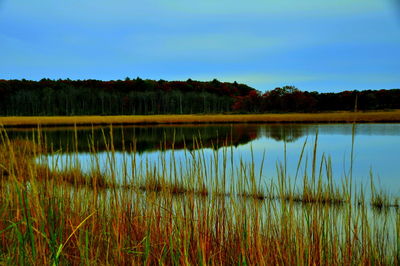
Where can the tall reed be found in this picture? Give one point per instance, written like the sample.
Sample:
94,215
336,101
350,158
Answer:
203,209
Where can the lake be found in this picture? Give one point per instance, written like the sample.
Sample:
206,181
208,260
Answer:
374,148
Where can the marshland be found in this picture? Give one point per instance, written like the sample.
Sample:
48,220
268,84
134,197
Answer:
377,116
200,194
169,132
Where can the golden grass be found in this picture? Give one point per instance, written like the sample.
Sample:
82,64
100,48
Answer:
331,117
59,218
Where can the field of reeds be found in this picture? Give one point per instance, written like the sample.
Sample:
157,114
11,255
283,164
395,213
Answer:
331,117
199,210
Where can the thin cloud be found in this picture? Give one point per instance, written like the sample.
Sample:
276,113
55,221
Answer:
396,6
262,43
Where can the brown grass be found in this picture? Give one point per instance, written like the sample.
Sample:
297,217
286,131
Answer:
44,220
331,117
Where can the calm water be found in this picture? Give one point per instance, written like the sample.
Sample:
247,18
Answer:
376,147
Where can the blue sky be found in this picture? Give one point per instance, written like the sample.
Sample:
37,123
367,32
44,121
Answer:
312,44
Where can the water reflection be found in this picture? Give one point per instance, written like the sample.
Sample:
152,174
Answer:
144,138
151,138
376,146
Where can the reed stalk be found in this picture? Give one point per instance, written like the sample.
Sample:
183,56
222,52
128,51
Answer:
198,209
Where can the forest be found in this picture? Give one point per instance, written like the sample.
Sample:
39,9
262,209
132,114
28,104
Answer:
137,97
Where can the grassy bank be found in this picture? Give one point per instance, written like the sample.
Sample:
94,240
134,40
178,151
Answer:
334,117
166,214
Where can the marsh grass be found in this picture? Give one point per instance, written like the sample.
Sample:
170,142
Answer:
164,213
381,199
328,117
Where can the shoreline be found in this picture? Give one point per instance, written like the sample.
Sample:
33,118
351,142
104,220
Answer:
328,117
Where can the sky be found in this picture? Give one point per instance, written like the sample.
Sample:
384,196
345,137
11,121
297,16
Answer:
311,44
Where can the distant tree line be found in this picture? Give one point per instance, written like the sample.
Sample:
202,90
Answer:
291,99
138,96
